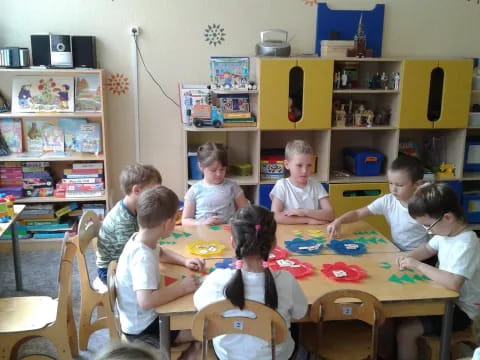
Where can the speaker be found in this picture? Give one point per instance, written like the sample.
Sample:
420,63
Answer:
40,50
61,51
84,52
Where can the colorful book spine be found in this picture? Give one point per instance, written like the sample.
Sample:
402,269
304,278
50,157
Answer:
87,166
82,171
82,181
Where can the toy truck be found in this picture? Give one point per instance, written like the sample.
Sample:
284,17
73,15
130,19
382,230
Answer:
207,115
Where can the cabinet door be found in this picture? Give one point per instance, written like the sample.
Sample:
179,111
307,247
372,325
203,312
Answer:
415,88
317,93
274,82
346,197
457,85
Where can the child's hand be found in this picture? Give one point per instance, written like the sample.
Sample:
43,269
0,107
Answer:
294,212
213,220
333,230
407,262
189,284
195,264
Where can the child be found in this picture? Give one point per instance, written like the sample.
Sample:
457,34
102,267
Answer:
299,199
121,221
437,208
212,200
127,351
138,273
404,177
253,237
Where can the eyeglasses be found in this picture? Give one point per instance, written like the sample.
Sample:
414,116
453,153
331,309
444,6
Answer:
430,227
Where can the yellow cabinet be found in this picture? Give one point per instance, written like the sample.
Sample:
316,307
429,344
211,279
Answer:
456,94
346,197
415,87
274,80
317,93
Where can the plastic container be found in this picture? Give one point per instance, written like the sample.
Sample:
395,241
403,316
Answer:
471,205
363,161
472,155
272,167
194,172
241,169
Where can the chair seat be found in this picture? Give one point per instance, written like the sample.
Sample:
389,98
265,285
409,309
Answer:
26,313
357,340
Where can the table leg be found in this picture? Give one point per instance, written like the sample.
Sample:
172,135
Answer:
446,331
164,326
16,258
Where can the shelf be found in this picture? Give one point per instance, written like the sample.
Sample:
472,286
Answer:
52,115
471,175
476,91
268,181
353,128
365,91
222,129
33,244
53,71
473,227
356,179
240,180
235,92
52,199
366,59
59,158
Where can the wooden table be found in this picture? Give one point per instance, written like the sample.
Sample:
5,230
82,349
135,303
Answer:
399,300
17,209
177,242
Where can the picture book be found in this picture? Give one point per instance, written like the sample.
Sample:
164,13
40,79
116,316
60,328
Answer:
88,93
71,129
53,138
41,93
229,72
234,103
89,138
35,132
12,133
191,95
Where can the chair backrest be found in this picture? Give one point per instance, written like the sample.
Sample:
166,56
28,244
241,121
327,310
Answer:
211,322
112,294
67,254
88,228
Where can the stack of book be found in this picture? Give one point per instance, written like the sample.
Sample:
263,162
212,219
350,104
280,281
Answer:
11,179
239,119
83,180
37,180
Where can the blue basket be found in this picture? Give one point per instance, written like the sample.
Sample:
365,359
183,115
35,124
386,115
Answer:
194,172
362,161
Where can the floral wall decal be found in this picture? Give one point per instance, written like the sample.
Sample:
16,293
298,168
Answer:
118,84
214,34
310,2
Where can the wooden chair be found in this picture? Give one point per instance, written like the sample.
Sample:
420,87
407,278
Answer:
112,298
210,322
91,298
432,343
334,321
25,318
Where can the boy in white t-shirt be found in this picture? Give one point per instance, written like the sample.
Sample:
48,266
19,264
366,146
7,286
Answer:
405,175
138,273
436,207
298,199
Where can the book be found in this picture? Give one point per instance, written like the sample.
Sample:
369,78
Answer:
84,194
83,171
43,136
88,93
82,181
66,209
96,165
82,176
191,95
53,140
71,129
89,138
11,130
234,103
229,72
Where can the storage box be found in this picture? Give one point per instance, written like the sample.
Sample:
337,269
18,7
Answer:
472,155
241,169
474,119
272,167
362,161
471,205
194,172
335,48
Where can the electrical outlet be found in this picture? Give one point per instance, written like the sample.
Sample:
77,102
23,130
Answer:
134,30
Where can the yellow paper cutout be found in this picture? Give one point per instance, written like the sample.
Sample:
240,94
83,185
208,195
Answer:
205,248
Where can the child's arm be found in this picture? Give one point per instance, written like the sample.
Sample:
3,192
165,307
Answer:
188,216
324,213
282,218
241,201
171,257
349,217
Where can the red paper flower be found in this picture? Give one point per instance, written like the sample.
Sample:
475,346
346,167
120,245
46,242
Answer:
310,2
278,253
340,271
297,268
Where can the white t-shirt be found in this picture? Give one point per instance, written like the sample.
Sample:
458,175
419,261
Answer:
292,304
476,354
460,255
407,234
294,197
137,269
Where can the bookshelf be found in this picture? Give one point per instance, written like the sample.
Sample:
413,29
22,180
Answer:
59,161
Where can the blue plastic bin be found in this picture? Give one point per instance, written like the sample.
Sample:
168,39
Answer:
362,161
194,172
264,195
472,155
471,205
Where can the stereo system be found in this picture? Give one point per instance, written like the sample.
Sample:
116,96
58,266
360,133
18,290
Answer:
63,51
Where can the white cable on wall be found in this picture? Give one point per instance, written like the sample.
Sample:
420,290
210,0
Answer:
136,108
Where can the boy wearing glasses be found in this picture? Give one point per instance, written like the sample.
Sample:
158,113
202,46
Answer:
437,208
405,175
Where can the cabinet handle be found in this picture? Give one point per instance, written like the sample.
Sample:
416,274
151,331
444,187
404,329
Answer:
435,95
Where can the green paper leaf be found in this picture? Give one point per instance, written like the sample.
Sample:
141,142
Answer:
177,235
382,240
385,265
395,278
362,240
425,277
215,227
372,240
418,277
407,278
186,234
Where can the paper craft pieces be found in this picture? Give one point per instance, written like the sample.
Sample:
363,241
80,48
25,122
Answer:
278,253
225,264
177,235
385,265
205,248
347,247
297,268
366,233
304,247
215,227
341,271
186,234
227,227
163,242
405,278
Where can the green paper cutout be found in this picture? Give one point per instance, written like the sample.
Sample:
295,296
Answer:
372,240
407,278
176,235
385,265
186,234
215,227
319,239
395,278
418,277
362,240
425,277
161,242
212,269
382,240
184,276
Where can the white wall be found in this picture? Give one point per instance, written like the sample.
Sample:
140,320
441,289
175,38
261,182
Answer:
175,51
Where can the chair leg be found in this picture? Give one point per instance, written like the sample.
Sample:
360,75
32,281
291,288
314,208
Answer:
84,325
72,332
62,344
8,349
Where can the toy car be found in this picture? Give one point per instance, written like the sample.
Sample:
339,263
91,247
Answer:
207,115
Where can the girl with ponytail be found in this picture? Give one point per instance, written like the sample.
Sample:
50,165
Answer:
253,237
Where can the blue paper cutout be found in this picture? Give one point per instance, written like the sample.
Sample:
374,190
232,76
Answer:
341,247
225,264
304,247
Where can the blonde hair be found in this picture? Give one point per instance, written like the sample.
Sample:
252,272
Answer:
128,350
138,174
297,147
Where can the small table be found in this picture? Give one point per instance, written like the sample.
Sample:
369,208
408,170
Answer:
17,209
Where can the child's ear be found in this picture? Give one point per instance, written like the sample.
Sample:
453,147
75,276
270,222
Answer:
449,217
285,162
136,190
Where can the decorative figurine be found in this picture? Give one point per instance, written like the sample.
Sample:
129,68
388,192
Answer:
360,43
396,81
358,116
384,81
344,79
340,116
446,170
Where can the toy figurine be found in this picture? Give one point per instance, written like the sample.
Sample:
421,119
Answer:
367,117
340,117
338,80
447,170
384,81
358,116
396,81
382,117
294,114
344,79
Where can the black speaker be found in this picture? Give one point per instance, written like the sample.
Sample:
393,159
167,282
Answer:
84,51
40,50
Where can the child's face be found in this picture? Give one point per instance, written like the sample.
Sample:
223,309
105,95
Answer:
300,166
214,174
440,226
400,184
